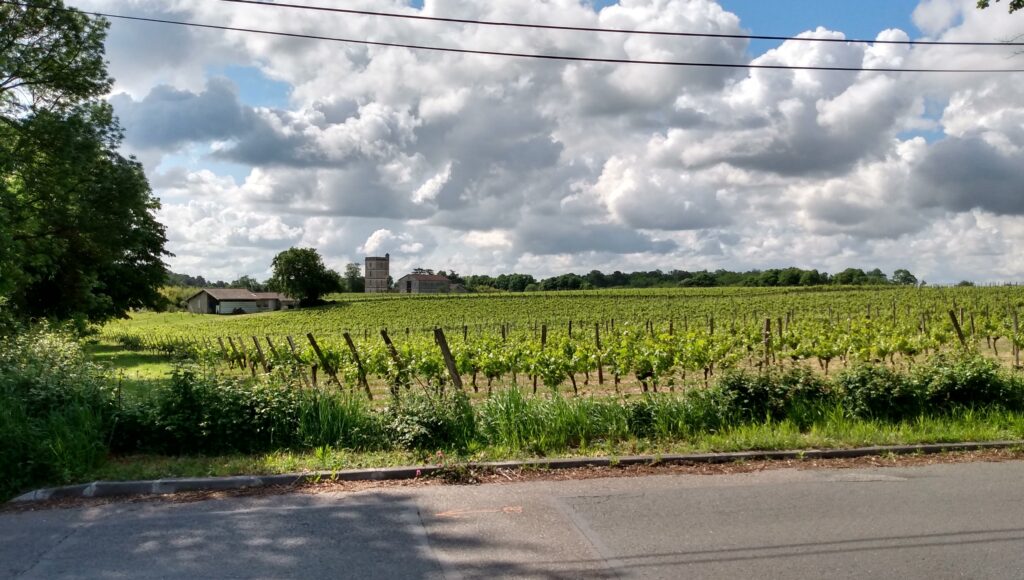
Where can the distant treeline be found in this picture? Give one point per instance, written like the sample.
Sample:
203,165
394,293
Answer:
598,279
675,278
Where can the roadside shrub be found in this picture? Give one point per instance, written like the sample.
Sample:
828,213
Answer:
796,394
55,411
136,428
426,423
200,412
967,380
878,392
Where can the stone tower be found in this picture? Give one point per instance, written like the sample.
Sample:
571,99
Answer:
376,273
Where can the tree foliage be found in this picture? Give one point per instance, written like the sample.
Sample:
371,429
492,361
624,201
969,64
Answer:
301,273
354,281
51,58
1014,4
785,277
78,236
903,277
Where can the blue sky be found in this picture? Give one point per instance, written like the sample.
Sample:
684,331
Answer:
860,18
856,18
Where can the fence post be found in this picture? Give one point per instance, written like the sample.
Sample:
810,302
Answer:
449,360
359,365
323,361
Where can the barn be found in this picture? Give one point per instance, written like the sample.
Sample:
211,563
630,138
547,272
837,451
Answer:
237,301
423,284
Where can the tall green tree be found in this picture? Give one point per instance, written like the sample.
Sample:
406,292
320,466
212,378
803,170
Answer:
903,277
249,283
78,233
301,273
354,280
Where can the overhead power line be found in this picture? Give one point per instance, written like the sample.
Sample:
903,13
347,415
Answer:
616,30
550,57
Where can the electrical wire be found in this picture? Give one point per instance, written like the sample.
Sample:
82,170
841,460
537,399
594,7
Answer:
617,30
549,57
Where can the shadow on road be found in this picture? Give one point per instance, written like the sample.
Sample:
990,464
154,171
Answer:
291,536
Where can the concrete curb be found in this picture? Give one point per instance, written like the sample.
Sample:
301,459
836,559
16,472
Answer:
168,486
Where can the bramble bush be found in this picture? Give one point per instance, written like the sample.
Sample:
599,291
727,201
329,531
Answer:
56,409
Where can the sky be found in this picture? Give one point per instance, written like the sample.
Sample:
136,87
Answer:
485,165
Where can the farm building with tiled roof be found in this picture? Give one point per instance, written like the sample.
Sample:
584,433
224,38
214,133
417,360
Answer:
237,301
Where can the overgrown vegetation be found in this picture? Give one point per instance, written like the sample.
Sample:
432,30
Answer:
62,416
57,410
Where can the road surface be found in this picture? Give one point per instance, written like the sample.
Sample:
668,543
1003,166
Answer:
938,521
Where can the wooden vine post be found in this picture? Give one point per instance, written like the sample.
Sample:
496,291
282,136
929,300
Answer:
597,343
223,350
249,363
359,365
259,353
241,364
956,327
273,349
393,352
323,362
449,360
295,355
1016,349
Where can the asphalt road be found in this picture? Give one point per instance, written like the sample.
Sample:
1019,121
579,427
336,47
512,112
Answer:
940,521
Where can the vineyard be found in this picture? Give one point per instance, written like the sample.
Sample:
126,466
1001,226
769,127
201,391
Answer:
588,342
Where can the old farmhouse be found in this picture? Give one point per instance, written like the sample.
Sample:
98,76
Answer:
423,284
237,301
